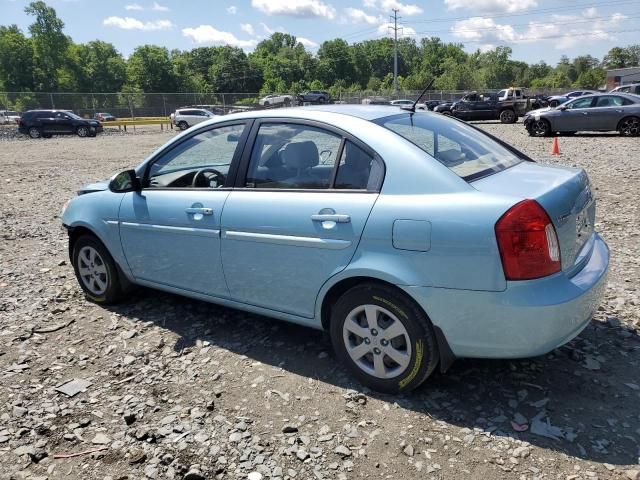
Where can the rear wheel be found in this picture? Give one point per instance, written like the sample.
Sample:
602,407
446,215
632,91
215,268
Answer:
447,112
322,100
35,132
508,116
266,104
629,127
183,125
540,128
96,271
82,131
385,340
287,102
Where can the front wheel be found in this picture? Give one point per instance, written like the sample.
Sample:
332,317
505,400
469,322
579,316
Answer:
96,271
82,132
508,116
183,125
629,127
385,340
540,128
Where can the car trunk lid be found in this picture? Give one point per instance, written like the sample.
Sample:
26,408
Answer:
565,194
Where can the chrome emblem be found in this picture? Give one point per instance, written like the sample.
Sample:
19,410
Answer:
583,225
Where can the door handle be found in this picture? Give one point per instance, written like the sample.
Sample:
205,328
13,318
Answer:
201,210
585,113
619,111
331,217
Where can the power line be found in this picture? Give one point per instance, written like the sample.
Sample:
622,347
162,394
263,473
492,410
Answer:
395,28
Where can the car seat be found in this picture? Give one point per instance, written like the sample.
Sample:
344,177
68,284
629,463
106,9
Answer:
355,171
301,157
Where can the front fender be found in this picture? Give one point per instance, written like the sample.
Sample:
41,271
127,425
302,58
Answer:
98,212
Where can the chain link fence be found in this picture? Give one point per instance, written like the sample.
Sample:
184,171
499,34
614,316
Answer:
132,105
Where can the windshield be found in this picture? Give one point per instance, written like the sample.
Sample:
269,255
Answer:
463,149
11,114
73,115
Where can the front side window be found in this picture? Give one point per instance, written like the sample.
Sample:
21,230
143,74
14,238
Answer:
202,161
293,157
466,151
581,103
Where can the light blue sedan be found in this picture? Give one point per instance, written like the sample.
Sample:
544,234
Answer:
413,238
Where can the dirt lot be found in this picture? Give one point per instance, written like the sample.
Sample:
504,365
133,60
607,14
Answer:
185,389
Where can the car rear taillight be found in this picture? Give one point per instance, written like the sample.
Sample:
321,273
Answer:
528,242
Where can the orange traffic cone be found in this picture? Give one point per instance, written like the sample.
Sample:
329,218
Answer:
555,149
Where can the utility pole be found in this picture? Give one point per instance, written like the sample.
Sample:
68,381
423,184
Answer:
395,28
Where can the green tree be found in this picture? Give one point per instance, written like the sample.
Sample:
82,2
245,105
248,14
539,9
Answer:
335,62
16,60
98,67
49,45
149,69
233,72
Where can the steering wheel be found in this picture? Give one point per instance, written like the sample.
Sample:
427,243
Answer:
216,174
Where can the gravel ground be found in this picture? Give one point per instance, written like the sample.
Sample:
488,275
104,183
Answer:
188,390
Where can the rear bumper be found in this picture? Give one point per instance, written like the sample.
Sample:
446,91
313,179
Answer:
527,319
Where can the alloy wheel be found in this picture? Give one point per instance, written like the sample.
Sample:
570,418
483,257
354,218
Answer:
540,128
35,132
630,127
93,271
377,341
83,131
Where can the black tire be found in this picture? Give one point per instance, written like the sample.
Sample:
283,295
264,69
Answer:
82,131
266,104
35,132
629,127
322,100
447,112
287,102
422,341
182,125
115,288
540,128
508,116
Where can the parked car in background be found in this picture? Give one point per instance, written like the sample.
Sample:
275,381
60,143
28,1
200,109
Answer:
485,106
104,117
8,117
45,123
444,108
429,104
600,112
402,103
556,100
187,117
277,99
314,96
412,238
376,101
631,88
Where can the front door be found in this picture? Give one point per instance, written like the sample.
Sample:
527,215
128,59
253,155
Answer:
574,115
298,215
170,230
64,124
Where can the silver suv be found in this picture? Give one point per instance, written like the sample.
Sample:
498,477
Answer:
184,118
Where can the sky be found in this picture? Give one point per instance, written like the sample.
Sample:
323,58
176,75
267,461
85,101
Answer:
535,29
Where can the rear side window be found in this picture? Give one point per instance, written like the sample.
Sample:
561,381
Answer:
464,150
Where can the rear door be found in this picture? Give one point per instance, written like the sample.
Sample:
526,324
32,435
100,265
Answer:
607,112
296,216
170,230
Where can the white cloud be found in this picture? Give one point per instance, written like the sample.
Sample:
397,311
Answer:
404,8
270,31
128,23
297,8
492,6
134,6
159,8
358,16
247,28
369,3
232,10
563,31
306,42
386,30
209,34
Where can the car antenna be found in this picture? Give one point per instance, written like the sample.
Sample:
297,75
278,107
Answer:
412,108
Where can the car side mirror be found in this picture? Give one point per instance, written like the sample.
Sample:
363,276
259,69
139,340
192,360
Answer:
126,181
562,108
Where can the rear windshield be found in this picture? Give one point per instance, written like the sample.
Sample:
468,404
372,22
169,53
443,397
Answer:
466,151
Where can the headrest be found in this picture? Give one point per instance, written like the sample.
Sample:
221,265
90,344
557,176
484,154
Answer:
300,155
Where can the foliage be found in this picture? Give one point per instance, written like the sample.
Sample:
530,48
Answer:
48,60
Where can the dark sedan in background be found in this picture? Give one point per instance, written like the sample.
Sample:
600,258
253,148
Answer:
596,113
